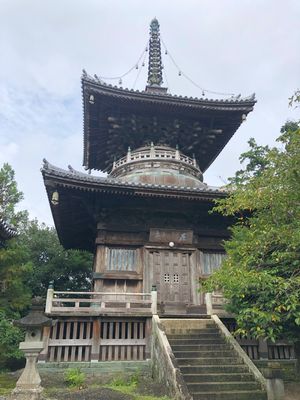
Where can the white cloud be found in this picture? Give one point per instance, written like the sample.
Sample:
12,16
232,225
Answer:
224,45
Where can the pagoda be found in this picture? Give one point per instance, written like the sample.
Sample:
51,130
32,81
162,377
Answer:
147,221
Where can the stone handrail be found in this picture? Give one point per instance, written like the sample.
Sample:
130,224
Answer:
237,348
213,299
164,363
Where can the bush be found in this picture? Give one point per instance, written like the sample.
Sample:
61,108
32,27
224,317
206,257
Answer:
10,337
74,377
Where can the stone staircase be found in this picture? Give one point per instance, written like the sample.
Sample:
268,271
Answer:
209,365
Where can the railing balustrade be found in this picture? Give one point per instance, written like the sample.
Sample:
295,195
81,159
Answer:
155,154
106,302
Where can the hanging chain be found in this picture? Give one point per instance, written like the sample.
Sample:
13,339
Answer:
181,73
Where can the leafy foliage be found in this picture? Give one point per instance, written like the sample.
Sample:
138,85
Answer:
28,263
68,269
15,268
261,275
10,196
14,263
295,98
10,337
74,377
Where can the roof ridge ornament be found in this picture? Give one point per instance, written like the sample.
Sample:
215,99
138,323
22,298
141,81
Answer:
155,66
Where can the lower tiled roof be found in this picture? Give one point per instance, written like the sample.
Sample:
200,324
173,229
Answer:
74,176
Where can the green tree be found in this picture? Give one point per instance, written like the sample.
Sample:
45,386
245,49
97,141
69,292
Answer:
10,337
28,262
15,270
261,274
68,269
10,196
14,262
15,267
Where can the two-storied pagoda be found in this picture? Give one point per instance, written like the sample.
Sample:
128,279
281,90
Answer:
147,222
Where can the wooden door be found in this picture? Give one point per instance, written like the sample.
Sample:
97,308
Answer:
171,275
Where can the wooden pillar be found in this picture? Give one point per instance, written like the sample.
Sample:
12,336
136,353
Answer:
50,295
42,357
96,338
99,267
148,337
154,300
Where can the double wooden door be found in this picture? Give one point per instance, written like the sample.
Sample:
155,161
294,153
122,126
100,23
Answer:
170,272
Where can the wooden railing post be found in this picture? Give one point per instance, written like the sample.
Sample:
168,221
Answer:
49,300
208,302
154,300
148,337
44,353
96,340
263,349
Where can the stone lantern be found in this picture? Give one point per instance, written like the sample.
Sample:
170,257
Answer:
28,386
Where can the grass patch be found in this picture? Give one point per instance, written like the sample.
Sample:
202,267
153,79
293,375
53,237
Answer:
7,383
140,397
75,378
123,385
129,386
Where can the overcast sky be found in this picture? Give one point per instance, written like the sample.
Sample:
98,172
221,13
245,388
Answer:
235,46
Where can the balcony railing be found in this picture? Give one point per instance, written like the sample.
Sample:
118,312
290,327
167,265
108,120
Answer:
61,303
155,153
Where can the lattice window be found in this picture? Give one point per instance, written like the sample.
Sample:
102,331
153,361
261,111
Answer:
212,262
121,259
167,278
176,278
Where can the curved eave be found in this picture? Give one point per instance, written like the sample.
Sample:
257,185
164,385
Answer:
231,103
99,148
6,230
88,183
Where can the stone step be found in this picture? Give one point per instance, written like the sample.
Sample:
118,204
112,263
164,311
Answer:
218,377
211,369
203,353
224,361
176,341
210,366
222,386
231,395
199,317
192,331
201,335
200,347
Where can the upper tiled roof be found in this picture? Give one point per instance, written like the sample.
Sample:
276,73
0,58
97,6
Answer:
115,118
232,100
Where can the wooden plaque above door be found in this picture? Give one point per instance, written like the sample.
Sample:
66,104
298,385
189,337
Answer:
162,236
